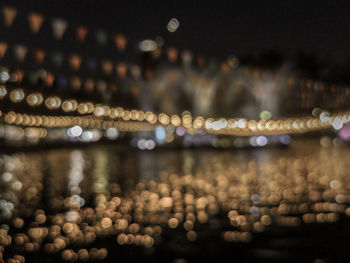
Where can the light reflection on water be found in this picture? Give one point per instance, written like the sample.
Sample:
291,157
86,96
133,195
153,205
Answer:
148,199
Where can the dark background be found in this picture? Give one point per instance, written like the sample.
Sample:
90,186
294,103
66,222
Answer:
217,27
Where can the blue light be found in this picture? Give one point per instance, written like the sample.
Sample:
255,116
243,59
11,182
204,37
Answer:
160,134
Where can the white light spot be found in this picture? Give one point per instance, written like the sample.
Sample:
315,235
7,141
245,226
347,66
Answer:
173,25
147,45
261,140
112,133
75,131
141,144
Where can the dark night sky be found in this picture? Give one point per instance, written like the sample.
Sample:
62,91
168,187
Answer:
218,27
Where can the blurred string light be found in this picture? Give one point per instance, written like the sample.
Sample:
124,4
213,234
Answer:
242,127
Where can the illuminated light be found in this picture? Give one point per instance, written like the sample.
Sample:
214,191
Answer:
106,222
198,122
3,92
169,138
147,45
4,76
279,125
120,42
74,61
255,211
76,199
134,115
120,112
173,222
96,135
135,71
9,14
83,255
112,133
344,133
219,124
20,52
67,106
337,124
19,119
113,113
163,119
270,125
122,239
288,125
160,134
265,115
106,110
186,112
261,140
6,177
340,198
53,102
180,131
26,119
141,116
99,111
208,123
35,21
296,124
325,116
334,184
252,141
150,144
3,49
17,95
81,32
40,56
141,144
285,139
151,117
10,117
242,123
309,123
187,121
89,107
67,254
172,54
231,123
74,131
127,115
175,120
252,125
316,112
72,216
59,26
173,25
34,99
170,129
